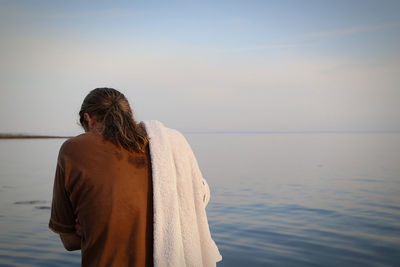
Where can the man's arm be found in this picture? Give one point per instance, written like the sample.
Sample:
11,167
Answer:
71,242
62,214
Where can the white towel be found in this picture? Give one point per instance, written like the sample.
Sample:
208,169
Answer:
180,195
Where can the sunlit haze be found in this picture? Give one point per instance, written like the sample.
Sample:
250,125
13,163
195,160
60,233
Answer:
204,66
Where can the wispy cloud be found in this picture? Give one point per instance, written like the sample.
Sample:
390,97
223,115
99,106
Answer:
15,12
315,35
350,30
91,14
264,47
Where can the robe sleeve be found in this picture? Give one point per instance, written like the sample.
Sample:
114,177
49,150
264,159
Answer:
62,218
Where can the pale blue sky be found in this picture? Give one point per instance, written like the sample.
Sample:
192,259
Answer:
204,66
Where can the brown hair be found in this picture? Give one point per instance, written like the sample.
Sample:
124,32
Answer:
119,126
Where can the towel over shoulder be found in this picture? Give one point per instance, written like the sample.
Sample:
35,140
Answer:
180,195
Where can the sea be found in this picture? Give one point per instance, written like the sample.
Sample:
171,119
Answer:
277,199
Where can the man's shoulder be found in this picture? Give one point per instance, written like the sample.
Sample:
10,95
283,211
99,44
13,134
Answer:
78,141
179,142
175,137
156,126
174,133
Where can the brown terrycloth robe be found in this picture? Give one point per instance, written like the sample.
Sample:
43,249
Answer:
110,190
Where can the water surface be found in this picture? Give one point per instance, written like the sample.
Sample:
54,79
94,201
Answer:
276,199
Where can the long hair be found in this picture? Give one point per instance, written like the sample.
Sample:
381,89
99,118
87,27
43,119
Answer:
112,109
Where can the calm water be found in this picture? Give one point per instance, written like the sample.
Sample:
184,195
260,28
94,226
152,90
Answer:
276,199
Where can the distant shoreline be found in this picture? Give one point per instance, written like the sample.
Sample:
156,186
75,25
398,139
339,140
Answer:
29,136
37,136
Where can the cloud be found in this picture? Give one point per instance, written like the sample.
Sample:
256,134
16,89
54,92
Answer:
199,89
315,35
350,30
21,19
264,47
103,14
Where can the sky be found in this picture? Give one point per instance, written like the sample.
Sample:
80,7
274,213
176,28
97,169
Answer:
203,66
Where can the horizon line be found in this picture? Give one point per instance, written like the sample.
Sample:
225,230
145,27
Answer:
298,132
34,135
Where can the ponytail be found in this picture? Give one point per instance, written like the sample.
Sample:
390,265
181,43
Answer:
118,124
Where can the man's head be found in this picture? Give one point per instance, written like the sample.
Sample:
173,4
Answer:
107,111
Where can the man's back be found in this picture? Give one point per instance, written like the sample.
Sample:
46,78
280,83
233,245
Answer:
109,189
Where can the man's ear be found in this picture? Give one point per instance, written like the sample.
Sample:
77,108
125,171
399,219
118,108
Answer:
91,120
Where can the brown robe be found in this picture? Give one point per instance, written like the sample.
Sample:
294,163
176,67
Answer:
109,190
